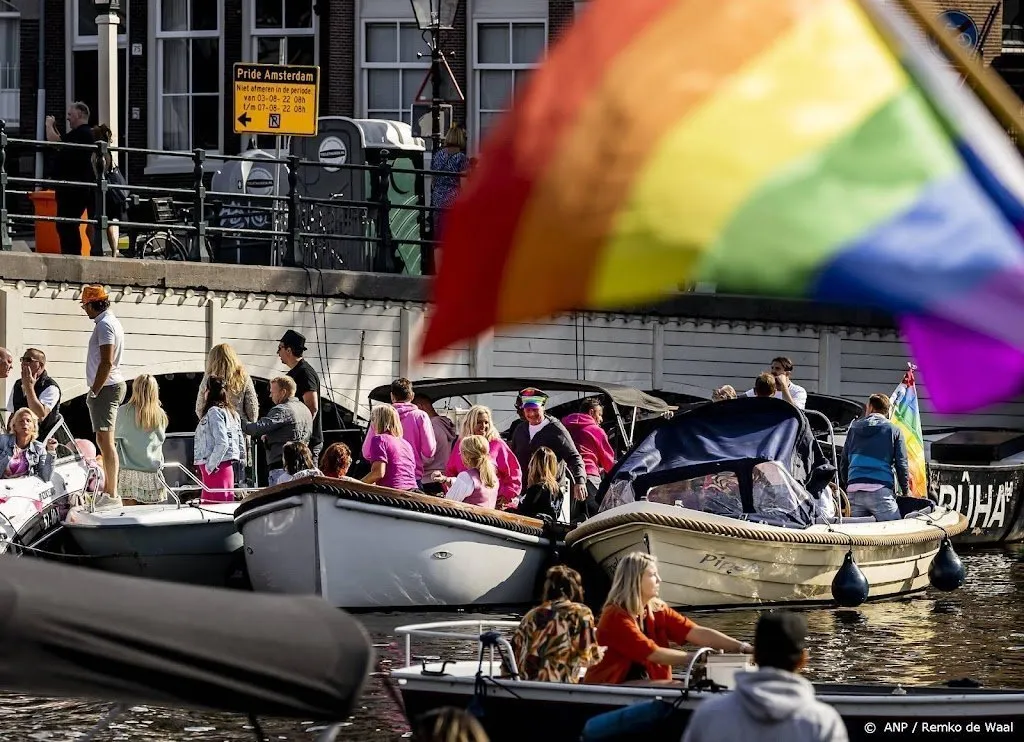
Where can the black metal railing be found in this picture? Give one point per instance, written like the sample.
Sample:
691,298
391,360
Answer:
374,233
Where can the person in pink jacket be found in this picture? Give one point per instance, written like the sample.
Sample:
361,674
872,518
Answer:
510,474
416,427
586,432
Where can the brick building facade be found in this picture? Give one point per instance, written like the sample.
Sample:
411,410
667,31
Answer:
176,63
176,60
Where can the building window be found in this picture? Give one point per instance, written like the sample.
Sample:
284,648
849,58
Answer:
84,24
392,71
505,54
10,71
1013,24
283,31
189,75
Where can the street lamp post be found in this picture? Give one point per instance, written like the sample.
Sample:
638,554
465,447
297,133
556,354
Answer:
434,16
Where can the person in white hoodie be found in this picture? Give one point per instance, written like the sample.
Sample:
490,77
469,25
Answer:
773,704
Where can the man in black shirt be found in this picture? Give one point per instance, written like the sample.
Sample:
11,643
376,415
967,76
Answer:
74,164
307,383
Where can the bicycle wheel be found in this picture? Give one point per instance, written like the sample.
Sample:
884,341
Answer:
163,246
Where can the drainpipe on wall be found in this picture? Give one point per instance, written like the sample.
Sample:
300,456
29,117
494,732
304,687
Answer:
41,94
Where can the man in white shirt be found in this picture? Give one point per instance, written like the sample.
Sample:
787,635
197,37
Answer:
782,370
106,384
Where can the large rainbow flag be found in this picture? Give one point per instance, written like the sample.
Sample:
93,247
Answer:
797,148
906,415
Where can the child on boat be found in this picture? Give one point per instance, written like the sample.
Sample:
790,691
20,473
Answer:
478,484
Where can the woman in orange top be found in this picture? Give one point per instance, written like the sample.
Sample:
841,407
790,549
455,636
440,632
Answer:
636,628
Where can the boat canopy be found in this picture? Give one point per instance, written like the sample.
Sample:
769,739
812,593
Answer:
69,631
715,458
435,389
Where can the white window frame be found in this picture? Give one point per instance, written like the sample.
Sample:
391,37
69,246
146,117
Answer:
255,34
365,67
477,66
83,43
15,75
170,165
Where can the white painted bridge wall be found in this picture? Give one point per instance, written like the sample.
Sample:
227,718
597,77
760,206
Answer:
172,333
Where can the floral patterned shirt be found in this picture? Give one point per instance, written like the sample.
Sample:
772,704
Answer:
555,640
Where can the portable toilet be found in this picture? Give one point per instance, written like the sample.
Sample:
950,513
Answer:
341,146
232,207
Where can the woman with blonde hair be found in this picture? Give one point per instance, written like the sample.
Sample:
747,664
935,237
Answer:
637,627
477,484
392,460
542,491
447,724
222,361
478,421
139,434
21,453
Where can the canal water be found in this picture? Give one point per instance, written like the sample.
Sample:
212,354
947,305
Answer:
976,632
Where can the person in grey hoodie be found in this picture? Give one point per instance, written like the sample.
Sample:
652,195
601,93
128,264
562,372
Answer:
773,704
874,448
289,420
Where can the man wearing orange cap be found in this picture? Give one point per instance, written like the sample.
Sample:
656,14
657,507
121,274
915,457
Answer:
106,384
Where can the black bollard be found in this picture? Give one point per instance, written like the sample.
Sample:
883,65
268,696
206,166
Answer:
947,571
850,586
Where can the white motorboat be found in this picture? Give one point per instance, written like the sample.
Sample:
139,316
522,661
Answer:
510,709
722,495
362,546
181,540
31,510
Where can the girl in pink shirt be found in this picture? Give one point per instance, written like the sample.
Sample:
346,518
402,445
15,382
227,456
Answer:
392,460
477,484
510,474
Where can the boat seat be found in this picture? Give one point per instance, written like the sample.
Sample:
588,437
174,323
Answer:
858,519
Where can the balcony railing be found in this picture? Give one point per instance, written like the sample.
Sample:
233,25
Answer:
389,230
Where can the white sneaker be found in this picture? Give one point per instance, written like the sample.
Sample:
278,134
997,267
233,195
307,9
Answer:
105,502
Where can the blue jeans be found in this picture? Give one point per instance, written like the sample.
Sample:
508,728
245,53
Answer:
881,503
276,476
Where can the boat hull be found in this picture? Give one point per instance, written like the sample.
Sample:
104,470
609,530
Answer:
991,498
367,555
703,568
193,545
511,710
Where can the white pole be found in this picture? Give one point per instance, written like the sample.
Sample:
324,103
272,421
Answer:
106,30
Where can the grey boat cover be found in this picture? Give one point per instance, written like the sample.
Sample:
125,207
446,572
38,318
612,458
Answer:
71,631
435,389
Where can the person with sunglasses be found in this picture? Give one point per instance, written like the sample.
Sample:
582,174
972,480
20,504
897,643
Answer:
37,390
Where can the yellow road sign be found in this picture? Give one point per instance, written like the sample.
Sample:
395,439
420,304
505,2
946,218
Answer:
279,99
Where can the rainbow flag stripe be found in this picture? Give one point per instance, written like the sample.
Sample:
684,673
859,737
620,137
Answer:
906,415
794,148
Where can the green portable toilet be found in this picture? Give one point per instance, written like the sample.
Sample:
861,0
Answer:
346,210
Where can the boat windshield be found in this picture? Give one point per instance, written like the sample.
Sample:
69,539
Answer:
717,493
778,497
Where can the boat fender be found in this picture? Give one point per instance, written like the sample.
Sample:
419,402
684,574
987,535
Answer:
947,571
850,587
631,720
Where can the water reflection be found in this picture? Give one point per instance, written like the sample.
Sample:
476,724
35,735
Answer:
976,632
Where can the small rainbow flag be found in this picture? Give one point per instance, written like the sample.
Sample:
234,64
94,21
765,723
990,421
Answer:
906,415
798,148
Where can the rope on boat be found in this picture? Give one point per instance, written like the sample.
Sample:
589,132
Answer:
410,501
778,535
